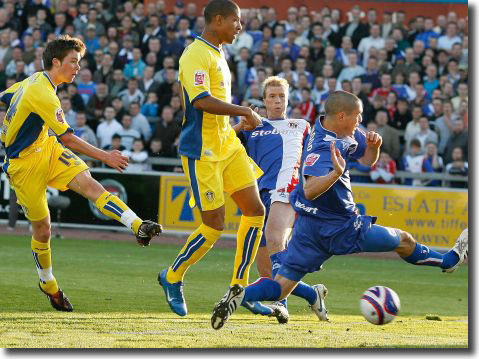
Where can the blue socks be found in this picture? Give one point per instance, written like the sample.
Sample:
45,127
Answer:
302,290
262,289
423,255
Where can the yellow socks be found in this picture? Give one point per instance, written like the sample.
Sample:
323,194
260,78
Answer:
113,207
198,244
43,259
247,243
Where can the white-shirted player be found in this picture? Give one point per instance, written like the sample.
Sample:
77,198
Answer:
276,146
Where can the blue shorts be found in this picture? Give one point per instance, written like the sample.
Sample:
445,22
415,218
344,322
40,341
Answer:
265,196
313,242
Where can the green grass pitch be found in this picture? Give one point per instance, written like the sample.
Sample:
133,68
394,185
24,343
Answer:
119,304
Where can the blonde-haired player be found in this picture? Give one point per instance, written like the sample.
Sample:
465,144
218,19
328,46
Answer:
35,160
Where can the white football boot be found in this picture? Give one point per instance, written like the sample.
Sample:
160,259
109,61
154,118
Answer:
319,307
461,249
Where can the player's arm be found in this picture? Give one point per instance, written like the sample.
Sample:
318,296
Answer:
315,186
373,144
113,159
216,106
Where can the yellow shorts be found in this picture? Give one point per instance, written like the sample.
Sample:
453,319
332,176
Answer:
209,180
51,165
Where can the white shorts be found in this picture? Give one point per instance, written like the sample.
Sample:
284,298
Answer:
279,195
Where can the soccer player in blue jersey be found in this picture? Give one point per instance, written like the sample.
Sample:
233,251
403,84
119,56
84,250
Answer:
276,146
35,160
213,159
328,222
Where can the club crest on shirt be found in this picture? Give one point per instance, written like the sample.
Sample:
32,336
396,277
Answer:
311,159
210,195
199,78
292,125
59,115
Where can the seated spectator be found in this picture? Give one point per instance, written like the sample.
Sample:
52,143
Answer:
175,104
150,107
165,90
432,163
355,165
412,128
430,80
352,69
307,107
384,169
117,83
147,83
137,157
459,138
385,88
457,167
115,144
446,41
127,134
425,133
371,77
412,162
139,121
84,131
389,134
108,127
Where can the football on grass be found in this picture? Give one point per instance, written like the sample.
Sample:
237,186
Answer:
379,305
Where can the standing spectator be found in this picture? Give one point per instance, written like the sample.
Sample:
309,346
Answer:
175,105
165,90
371,77
425,134
432,163
147,83
373,40
76,99
430,80
307,107
459,138
97,103
462,95
345,49
85,86
137,157
150,107
171,45
84,131
412,162
427,32
139,121
134,68
389,134
328,59
91,40
167,130
402,116
354,28
446,41
70,115
385,88
352,70
104,72
384,169
131,94
127,134
107,128
457,167
117,83
444,124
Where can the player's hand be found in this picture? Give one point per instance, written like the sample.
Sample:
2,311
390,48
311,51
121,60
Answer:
116,160
252,120
373,139
338,161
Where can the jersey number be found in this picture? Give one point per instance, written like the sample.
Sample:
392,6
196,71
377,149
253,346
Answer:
12,109
66,156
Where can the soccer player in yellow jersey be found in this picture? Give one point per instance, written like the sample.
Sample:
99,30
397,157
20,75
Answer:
213,158
35,160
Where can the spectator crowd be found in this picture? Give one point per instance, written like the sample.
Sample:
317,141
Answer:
411,75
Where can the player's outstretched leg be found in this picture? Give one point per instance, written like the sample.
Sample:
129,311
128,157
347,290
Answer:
197,245
420,254
112,206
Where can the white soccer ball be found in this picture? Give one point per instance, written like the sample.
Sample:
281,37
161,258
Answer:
379,305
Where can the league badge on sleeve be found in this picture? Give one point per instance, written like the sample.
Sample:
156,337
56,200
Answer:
59,115
311,159
199,78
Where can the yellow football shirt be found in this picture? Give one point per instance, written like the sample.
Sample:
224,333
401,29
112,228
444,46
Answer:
205,72
33,108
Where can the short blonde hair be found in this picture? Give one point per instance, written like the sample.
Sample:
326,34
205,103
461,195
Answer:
275,81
